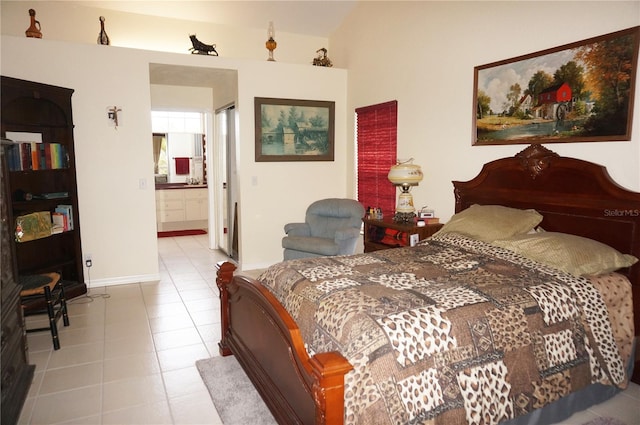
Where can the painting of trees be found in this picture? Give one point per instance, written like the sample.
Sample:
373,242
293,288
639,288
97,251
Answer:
611,66
578,92
294,130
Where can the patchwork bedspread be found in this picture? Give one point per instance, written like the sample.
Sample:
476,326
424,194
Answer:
452,331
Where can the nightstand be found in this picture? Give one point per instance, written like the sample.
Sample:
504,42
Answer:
379,234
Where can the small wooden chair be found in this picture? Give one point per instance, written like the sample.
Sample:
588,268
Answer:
44,293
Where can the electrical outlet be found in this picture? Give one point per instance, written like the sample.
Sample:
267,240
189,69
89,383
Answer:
88,260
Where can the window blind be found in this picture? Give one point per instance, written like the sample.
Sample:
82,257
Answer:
376,132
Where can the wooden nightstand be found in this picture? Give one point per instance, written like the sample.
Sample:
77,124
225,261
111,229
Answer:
374,232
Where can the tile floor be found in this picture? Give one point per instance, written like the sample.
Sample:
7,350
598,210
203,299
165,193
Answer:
128,356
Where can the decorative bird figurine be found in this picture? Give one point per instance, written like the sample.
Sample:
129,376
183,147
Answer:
103,38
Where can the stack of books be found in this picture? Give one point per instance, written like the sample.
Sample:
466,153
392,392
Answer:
62,218
26,156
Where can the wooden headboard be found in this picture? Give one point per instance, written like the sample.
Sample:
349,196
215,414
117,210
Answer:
574,196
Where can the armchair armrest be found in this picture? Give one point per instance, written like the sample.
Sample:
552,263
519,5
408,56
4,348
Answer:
348,233
297,229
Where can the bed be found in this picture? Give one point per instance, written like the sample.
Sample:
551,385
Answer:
304,377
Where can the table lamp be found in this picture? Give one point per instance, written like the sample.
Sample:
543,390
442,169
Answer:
404,175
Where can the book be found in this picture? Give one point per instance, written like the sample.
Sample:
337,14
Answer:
60,220
32,226
68,211
13,153
35,163
56,156
41,157
25,156
52,195
47,155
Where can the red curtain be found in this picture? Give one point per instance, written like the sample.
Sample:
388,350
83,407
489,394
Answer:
377,140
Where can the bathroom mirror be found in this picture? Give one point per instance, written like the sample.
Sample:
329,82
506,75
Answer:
179,147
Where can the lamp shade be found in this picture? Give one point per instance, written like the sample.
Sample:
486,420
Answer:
405,174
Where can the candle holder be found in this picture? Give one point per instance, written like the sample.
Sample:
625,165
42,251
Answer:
271,46
271,42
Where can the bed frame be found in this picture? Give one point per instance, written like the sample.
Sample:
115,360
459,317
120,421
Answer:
575,196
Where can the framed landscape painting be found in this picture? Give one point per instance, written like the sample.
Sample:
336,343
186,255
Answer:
579,92
294,130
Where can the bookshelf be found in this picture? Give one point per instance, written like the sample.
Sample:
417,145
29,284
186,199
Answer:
41,176
15,370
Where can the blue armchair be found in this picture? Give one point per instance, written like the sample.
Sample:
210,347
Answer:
331,227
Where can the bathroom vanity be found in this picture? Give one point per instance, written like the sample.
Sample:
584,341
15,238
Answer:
181,207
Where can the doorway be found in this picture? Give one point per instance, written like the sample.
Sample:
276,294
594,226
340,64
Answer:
178,87
227,223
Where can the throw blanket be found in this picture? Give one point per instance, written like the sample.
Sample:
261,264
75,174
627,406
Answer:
452,331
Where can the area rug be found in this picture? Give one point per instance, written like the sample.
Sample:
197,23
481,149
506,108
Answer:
173,233
605,421
233,394
238,402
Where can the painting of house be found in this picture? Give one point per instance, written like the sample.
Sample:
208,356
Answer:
554,99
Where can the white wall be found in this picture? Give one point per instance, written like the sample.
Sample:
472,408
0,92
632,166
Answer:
77,22
283,190
118,217
423,54
180,98
420,53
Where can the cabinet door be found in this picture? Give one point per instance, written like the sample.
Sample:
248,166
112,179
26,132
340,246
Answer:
169,206
196,209
196,204
171,215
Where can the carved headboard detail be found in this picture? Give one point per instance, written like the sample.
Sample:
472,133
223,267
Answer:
536,158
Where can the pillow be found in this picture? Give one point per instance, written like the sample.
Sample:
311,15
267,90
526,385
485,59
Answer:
573,254
490,222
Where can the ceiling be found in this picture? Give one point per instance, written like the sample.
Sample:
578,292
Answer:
306,17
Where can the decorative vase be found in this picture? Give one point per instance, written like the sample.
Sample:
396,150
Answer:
103,38
34,28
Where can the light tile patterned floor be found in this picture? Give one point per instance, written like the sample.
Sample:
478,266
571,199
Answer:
129,358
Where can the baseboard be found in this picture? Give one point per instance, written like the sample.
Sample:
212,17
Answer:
123,280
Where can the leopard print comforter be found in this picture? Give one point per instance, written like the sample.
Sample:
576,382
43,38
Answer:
452,331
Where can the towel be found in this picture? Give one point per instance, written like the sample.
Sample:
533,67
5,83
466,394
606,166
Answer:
182,165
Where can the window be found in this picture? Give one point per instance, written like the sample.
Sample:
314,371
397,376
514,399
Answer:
160,158
376,141
178,136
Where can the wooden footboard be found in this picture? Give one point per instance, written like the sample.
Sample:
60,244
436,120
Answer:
298,389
